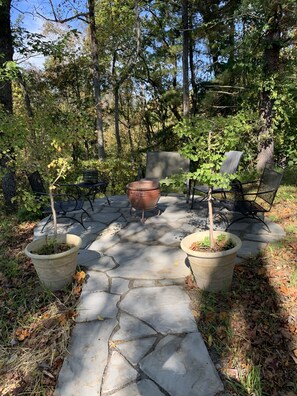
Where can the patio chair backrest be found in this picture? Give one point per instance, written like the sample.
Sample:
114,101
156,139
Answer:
268,185
36,183
230,164
161,164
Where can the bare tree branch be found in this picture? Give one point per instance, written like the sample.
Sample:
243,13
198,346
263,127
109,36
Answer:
83,16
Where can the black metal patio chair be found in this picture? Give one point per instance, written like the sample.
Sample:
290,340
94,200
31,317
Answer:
229,166
255,198
91,186
65,204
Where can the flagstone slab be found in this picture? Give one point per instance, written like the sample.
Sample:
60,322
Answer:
131,229
119,286
131,328
95,281
182,367
171,282
87,239
156,221
84,366
166,309
175,215
142,388
173,238
104,242
138,261
135,350
148,234
96,262
115,226
92,227
119,203
119,373
97,306
100,202
105,217
274,228
250,248
87,257
240,226
263,237
144,283
87,236
103,264
110,209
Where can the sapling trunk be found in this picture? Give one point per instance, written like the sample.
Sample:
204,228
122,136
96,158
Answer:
54,216
210,214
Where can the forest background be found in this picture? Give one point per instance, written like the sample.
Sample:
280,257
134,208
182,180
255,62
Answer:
123,77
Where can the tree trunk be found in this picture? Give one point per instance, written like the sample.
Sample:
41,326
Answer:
266,140
192,68
6,52
210,215
272,42
96,79
116,119
185,17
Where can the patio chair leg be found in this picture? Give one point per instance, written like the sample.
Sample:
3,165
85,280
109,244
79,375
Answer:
78,221
221,216
193,199
91,203
255,217
48,221
108,201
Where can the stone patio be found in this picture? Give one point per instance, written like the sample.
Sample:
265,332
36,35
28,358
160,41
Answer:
135,332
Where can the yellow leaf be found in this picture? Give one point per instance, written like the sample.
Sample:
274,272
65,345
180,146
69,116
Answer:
79,276
100,317
77,290
209,341
112,344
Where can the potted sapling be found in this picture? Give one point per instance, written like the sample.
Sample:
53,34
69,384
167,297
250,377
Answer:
54,256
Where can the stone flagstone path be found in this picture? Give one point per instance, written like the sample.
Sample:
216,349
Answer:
135,332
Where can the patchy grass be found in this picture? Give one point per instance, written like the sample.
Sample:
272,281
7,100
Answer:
251,331
35,324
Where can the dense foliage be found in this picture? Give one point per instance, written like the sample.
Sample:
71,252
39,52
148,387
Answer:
241,70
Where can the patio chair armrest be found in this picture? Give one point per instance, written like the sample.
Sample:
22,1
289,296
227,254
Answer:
250,182
260,192
250,185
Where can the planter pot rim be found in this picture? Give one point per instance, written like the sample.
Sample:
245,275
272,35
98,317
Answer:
143,185
64,238
200,235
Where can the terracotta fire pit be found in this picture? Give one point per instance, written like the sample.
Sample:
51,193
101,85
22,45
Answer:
143,195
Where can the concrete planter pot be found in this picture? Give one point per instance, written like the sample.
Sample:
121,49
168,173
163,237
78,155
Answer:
55,271
213,271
